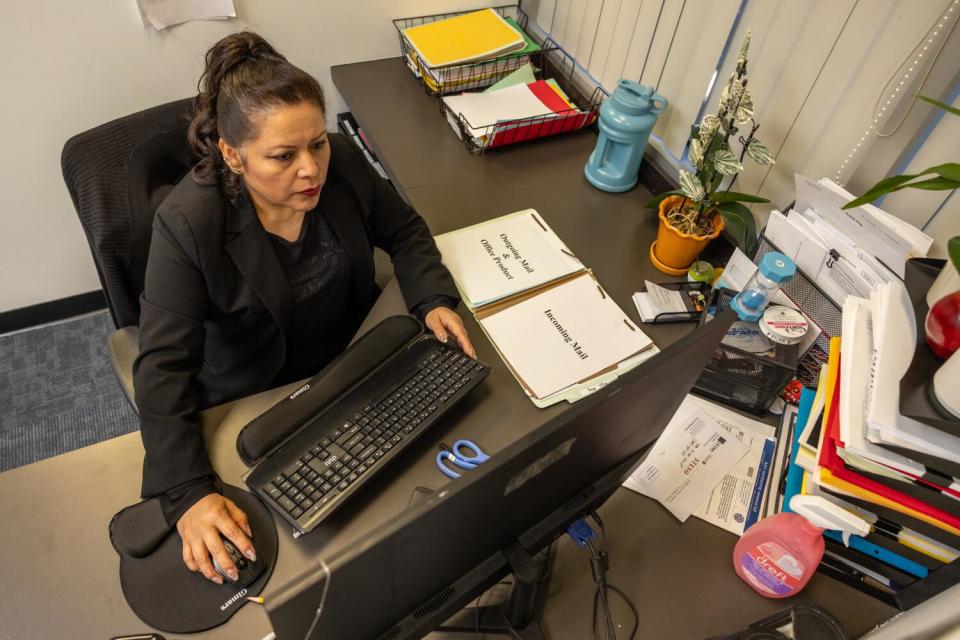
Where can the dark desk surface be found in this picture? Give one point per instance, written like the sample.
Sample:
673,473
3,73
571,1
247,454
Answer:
59,572
679,576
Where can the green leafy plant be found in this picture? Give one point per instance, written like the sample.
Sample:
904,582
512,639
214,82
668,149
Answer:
953,250
714,161
946,176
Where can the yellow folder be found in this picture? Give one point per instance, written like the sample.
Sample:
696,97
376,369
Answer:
465,38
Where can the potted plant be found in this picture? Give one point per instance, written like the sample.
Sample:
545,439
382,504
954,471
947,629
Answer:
702,208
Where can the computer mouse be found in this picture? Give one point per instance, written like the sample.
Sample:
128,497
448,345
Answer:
247,571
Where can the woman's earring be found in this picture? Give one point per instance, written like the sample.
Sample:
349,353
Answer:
236,170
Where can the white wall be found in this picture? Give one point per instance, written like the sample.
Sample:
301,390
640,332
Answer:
67,66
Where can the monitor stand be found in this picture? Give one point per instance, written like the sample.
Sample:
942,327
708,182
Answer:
514,618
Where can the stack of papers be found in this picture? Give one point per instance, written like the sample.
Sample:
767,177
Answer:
709,462
854,420
464,38
525,109
904,546
844,252
559,333
437,47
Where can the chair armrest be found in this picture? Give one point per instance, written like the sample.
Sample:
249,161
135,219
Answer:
123,345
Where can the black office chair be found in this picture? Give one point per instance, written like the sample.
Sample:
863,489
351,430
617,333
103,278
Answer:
117,175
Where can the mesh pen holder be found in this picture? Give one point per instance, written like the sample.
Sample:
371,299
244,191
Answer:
747,370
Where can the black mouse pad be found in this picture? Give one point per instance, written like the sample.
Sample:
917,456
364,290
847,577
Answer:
157,584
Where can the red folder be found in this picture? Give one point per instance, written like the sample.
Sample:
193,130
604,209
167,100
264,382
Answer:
550,98
829,460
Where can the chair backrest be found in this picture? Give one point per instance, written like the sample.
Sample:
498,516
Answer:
117,175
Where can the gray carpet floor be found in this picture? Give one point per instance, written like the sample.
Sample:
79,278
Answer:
57,390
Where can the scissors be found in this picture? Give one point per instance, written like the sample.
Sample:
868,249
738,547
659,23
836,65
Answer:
464,454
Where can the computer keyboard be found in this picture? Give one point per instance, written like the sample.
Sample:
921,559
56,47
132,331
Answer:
358,442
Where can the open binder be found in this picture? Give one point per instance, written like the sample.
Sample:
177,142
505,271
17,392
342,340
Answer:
550,320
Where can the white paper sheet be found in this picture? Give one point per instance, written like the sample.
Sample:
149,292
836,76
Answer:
161,14
736,502
656,300
920,241
505,255
856,387
860,225
894,340
564,335
484,109
688,460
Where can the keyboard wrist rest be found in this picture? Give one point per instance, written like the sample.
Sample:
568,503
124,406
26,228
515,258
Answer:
265,432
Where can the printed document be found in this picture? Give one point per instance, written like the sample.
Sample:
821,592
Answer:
736,502
506,255
859,225
692,455
161,14
564,335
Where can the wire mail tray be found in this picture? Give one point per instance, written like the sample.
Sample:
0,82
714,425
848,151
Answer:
557,64
747,370
815,304
454,78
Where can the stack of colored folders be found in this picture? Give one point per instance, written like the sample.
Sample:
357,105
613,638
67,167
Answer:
468,50
517,108
855,448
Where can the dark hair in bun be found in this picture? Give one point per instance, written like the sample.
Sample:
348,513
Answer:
243,76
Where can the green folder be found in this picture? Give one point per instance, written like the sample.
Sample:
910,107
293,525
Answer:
530,47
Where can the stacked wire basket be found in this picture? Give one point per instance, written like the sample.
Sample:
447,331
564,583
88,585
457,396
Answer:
550,61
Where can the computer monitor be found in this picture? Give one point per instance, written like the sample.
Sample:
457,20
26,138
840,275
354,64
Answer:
410,575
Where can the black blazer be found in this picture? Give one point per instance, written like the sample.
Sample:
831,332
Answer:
216,302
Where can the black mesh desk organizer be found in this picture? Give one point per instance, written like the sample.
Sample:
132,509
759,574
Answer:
747,370
824,312
750,381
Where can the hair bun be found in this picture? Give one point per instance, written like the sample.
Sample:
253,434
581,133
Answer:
232,52
254,46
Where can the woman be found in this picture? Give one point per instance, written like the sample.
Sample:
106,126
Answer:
260,270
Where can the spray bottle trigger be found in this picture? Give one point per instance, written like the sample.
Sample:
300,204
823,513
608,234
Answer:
824,514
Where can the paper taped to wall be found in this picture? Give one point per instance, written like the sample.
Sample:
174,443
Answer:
161,14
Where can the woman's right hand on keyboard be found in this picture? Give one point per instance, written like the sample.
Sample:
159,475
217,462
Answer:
200,528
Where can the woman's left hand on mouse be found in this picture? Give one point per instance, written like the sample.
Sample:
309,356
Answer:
200,529
445,322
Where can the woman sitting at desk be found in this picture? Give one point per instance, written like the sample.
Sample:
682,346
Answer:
260,271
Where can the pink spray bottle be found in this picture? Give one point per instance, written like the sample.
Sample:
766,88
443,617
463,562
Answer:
778,555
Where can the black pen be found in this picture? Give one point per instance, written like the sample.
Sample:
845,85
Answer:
861,573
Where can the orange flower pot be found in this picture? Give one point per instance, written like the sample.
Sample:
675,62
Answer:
674,251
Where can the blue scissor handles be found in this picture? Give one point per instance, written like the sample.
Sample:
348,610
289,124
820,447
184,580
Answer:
464,454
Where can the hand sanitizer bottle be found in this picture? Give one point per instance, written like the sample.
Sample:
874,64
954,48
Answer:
778,555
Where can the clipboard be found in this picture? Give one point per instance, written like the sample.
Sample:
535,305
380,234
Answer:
581,388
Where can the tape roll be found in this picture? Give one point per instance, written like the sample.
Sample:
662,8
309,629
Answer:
783,325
